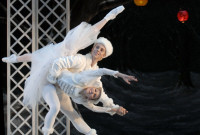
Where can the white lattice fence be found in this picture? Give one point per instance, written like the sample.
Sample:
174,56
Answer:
31,24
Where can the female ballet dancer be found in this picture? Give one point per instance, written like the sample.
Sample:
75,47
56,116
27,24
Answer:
76,39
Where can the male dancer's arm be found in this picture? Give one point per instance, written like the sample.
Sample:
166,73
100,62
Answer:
109,106
76,62
110,110
107,102
104,71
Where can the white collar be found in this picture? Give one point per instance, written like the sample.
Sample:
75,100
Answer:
89,61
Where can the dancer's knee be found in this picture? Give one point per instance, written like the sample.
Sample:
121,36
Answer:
49,94
92,132
55,109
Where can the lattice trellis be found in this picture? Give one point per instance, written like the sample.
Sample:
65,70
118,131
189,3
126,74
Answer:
31,24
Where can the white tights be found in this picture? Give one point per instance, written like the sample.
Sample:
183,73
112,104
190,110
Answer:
59,100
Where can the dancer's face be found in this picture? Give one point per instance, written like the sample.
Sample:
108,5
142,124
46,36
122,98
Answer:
98,51
92,93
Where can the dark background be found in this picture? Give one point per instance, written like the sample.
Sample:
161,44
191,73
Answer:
163,53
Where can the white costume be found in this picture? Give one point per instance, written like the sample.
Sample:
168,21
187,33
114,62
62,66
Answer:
37,86
74,64
78,38
73,83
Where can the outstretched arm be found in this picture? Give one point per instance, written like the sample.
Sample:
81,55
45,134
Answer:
120,111
110,110
100,109
126,78
108,104
104,71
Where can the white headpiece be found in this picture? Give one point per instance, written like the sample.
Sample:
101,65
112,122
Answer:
107,44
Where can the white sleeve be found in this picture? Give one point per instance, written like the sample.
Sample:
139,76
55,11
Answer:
107,102
99,109
102,71
92,77
66,63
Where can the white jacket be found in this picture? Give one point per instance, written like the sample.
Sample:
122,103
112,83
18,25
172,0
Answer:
76,64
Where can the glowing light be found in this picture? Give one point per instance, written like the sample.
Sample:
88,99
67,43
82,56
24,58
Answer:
141,2
182,16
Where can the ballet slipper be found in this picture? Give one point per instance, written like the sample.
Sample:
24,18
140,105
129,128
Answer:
10,59
113,13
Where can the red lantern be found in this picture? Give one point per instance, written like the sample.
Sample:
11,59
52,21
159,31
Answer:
183,16
140,2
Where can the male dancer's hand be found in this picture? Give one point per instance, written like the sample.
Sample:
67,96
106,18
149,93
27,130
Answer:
126,78
121,111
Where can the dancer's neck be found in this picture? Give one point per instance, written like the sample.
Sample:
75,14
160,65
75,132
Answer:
93,62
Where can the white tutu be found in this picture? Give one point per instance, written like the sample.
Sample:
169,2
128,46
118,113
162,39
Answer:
78,38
